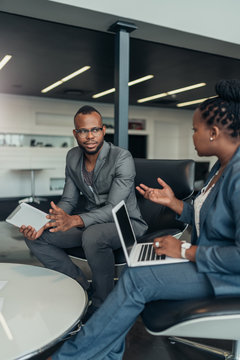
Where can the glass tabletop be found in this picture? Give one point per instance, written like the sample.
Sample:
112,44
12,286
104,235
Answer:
38,307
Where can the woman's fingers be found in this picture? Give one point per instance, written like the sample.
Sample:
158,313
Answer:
162,182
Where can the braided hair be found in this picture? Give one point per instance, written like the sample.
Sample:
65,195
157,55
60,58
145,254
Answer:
224,109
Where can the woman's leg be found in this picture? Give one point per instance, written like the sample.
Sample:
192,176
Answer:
103,335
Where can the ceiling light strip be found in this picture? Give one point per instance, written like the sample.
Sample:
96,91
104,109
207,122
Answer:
4,61
172,92
66,78
103,93
187,88
137,81
187,103
131,83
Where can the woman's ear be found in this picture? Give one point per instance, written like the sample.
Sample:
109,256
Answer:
214,132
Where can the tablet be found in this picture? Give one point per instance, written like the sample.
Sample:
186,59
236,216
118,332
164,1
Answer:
25,214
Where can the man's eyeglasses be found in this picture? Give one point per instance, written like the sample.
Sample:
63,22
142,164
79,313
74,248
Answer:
83,133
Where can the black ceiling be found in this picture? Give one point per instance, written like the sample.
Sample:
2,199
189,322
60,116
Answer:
44,52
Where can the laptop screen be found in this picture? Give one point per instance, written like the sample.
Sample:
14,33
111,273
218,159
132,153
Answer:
125,227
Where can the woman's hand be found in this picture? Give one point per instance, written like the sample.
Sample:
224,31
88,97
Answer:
167,245
164,196
170,246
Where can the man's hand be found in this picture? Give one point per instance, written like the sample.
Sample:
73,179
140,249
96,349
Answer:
30,233
61,221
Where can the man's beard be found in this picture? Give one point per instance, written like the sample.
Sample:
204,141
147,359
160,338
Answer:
93,152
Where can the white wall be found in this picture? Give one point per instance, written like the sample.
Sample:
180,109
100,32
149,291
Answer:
168,130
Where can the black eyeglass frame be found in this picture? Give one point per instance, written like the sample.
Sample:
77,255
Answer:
84,132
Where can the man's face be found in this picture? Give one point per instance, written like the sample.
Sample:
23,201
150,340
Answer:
90,141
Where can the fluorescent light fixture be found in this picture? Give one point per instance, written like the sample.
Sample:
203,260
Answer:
52,86
103,93
157,96
187,88
5,60
131,83
187,103
152,97
144,78
66,78
76,73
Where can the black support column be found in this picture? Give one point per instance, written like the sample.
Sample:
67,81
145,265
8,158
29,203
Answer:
122,30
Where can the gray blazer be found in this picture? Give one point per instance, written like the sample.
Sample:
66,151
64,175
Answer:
218,253
113,181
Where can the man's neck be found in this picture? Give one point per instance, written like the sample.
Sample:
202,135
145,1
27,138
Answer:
90,160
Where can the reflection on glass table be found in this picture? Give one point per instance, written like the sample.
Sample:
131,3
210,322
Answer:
38,308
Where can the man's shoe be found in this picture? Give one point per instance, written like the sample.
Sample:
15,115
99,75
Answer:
90,311
90,293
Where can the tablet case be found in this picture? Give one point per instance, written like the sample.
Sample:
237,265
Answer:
25,214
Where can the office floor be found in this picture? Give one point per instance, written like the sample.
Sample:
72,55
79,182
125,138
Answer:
139,344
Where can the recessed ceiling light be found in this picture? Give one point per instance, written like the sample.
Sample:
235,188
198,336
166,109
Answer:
131,83
157,96
66,78
187,103
5,60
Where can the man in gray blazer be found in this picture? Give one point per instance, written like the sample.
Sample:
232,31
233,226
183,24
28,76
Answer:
104,174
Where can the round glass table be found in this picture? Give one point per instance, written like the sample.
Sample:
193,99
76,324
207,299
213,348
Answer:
38,308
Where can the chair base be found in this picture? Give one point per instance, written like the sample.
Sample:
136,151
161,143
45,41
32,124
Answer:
32,199
234,355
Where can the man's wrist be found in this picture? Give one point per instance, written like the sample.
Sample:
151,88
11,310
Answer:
77,221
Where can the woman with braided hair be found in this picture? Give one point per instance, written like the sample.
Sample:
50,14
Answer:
214,253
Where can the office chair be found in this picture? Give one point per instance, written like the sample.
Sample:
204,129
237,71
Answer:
215,318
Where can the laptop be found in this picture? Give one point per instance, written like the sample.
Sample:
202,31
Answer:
141,254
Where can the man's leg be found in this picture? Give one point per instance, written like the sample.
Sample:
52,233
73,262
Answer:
98,242
48,249
103,335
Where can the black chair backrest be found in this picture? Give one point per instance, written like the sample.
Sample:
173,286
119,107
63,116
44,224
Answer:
179,174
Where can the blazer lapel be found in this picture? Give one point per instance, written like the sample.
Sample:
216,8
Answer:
101,160
208,202
213,193
99,164
83,186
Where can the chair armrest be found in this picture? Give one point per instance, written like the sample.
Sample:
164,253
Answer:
160,315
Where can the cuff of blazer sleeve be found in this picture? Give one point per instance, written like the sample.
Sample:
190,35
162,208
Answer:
86,220
202,261
184,217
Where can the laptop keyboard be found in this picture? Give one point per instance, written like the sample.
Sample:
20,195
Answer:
147,253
